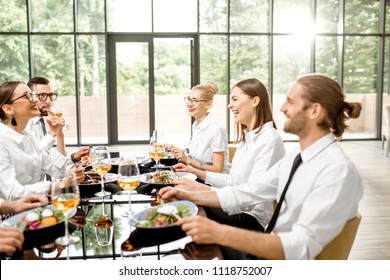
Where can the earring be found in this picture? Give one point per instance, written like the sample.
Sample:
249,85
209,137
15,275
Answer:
13,121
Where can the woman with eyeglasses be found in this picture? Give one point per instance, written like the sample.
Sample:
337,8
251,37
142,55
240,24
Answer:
22,162
209,145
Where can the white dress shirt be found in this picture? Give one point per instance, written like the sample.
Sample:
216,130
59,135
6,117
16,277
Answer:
209,137
21,164
254,156
47,141
323,195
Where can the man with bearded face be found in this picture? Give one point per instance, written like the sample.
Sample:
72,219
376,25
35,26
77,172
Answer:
317,187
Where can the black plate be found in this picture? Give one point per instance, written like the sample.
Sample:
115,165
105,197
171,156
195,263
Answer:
169,161
145,237
43,236
89,190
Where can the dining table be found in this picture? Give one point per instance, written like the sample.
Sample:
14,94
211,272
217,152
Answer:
173,244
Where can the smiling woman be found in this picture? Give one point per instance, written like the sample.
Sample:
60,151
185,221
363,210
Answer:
22,162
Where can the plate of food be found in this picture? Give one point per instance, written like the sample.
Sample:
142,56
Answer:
160,179
163,216
44,225
92,184
168,159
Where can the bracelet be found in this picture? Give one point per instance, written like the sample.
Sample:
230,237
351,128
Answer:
201,166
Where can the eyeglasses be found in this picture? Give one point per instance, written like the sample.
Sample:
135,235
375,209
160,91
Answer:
29,95
194,101
43,96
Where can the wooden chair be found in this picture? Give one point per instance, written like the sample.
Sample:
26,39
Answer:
232,150
340,246
386,129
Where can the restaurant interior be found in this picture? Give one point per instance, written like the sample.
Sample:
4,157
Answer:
122,68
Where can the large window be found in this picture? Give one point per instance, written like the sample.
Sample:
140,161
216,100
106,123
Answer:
106,92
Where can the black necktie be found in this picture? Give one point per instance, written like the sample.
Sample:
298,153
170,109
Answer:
43,126
297,162
42,121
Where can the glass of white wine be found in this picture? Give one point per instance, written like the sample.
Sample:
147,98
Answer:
65,196
128,178
56,112
101,164
156,150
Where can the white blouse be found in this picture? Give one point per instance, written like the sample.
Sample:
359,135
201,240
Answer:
323,195
207,137
22,163
253,157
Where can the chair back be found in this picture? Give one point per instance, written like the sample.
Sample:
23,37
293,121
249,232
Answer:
340,246
232,150
386,109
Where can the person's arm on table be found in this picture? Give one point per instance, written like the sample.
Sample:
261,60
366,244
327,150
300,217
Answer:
23,204
204,198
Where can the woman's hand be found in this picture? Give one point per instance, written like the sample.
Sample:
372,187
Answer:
181,167
179,154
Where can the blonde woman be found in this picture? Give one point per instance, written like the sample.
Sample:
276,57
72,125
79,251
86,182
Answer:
209,145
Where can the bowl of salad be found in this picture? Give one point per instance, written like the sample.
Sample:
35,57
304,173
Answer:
44,225
164,215
168,159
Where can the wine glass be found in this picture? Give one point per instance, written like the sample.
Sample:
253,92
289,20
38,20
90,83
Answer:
65,195
104,229
156,150
128,178
101,164
56,112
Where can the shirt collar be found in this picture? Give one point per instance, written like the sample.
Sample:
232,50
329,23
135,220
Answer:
317,147
250,135
15,136
204,123
35,120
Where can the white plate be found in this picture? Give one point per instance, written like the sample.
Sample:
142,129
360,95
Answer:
190,176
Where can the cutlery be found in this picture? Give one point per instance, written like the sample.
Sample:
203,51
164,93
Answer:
165,208
22,225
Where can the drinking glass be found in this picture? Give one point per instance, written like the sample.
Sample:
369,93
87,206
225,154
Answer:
56,112
65,195
128,178
156,149
104,229
101,164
